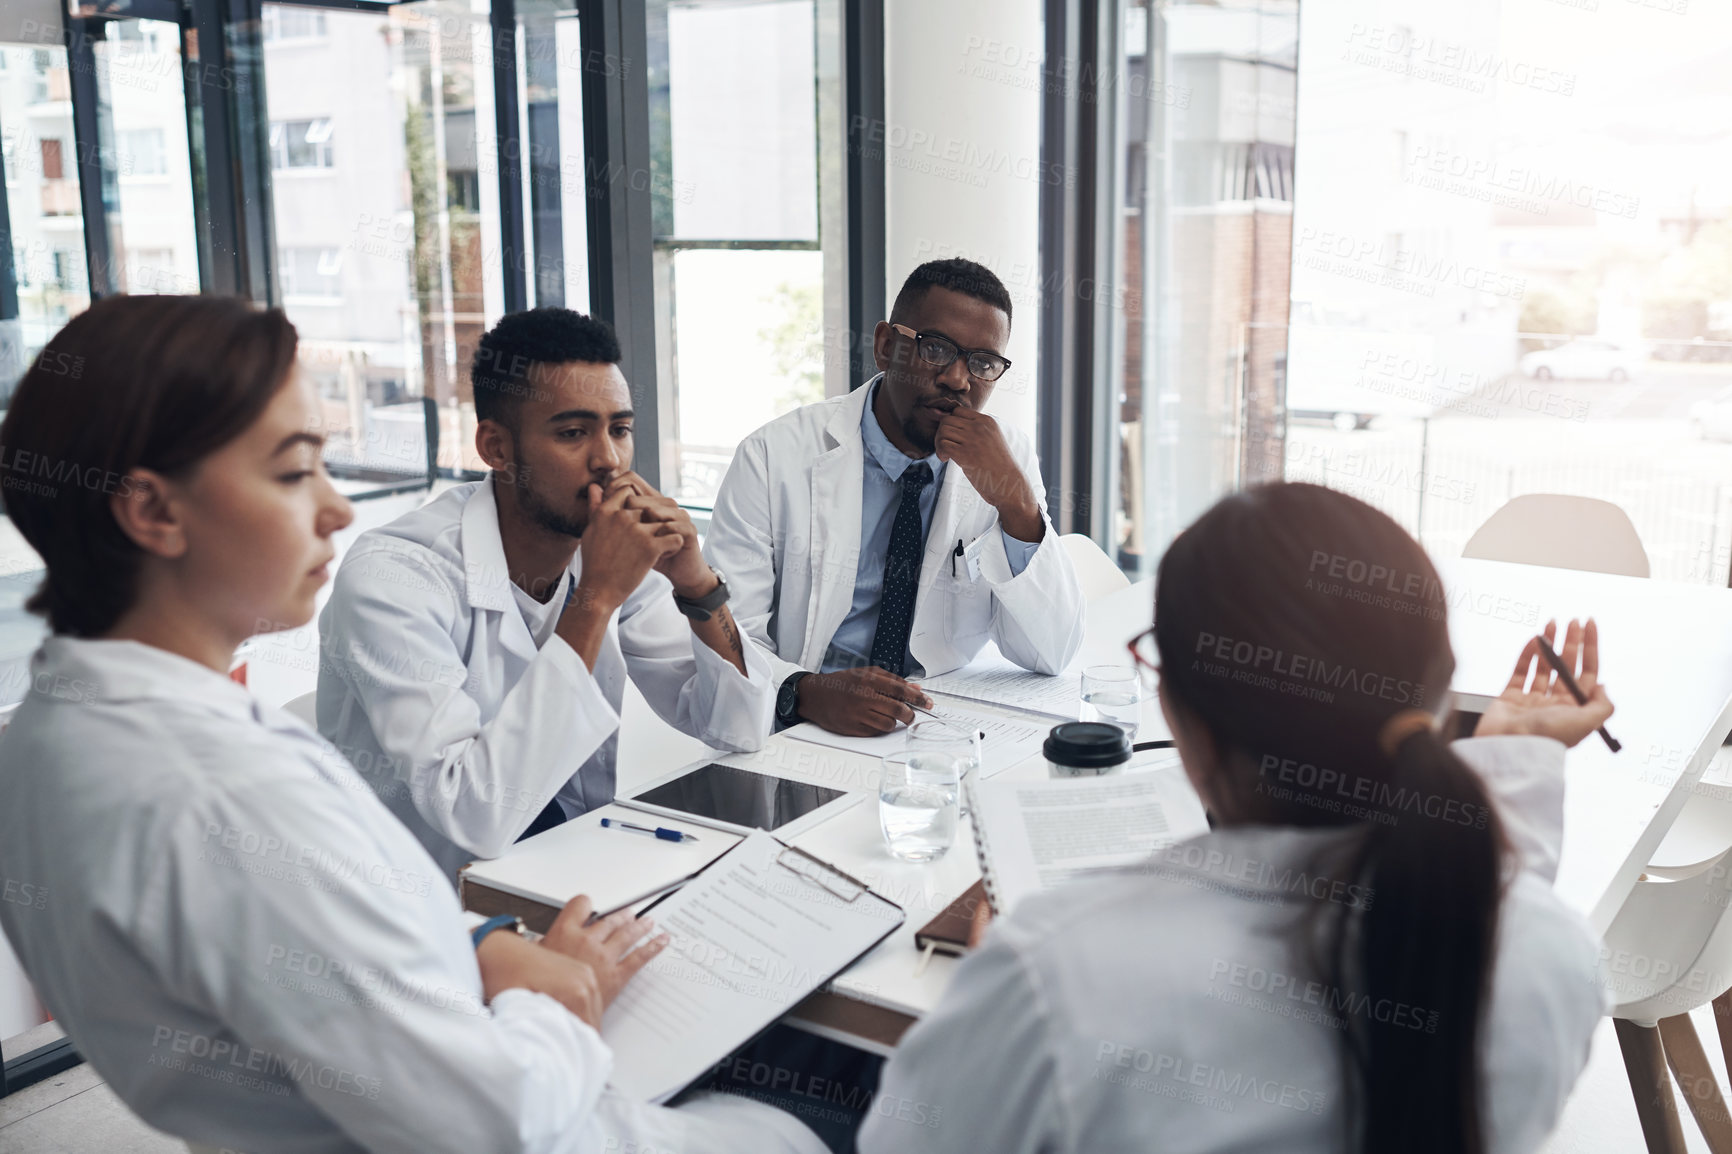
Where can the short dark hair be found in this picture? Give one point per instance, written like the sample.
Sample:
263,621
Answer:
543,336
957,275
153,382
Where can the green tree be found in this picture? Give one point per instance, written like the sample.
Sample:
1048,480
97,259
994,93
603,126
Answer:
1570,311
1688,282
796,342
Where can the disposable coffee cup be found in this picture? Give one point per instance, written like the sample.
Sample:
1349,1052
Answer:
1086,749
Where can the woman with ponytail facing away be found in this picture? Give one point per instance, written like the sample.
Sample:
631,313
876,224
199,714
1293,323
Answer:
1363,954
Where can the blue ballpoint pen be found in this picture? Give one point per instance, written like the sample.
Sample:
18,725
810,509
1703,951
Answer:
659,831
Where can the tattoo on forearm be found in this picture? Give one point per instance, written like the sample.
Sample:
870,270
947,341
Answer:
733,636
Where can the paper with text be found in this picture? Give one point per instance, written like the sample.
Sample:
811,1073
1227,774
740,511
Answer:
1010,737
751,937
1002,683
1033,835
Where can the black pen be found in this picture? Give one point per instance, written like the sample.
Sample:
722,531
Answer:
954,554
1557,664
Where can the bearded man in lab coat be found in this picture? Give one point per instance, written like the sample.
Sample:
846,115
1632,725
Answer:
892,532
474,652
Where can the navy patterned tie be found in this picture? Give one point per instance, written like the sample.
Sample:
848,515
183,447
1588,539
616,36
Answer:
901,573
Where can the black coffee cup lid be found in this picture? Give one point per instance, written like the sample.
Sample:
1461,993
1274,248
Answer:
1088,744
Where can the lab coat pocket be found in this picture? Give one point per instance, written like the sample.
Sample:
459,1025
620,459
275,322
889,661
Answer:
968,614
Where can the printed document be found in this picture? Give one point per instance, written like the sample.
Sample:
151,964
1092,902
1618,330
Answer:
1010,737
1033,835
752,935
1002,683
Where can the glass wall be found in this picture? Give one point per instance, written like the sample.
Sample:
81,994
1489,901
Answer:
740,278
554,61
143,116
386,219
47,221
1205,100
1512,266
136,77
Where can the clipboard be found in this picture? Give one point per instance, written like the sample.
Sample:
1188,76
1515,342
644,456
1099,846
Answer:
745,953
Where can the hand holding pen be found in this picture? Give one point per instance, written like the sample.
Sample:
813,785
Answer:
1554,693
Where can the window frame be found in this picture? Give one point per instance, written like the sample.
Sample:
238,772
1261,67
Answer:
1077,226
234,164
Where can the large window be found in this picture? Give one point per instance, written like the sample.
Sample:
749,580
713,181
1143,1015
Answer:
555,62
1203,219
387,209
42,204
135,81
139,84
737,133
130,73
1513,266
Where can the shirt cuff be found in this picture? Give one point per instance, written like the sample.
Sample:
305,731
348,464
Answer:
1018,552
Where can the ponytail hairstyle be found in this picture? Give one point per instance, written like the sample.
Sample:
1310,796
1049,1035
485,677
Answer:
154,382
1303,628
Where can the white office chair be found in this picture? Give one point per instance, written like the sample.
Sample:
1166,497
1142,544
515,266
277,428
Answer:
1563,532
1670,946
1094,569
1702,832
1668,951
305,708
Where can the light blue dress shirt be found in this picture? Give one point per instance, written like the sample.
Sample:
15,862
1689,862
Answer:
880,493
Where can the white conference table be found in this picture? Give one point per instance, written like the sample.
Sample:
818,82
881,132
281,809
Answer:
1666,658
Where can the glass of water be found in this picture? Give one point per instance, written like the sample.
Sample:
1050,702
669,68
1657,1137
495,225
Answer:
917,804
960,741
1113,693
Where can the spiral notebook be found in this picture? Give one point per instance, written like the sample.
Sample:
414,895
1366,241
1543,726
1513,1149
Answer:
1034,835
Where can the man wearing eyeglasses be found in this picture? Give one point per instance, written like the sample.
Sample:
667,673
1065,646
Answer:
890,533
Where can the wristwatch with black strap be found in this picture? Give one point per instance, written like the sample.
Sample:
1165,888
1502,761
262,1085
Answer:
788,699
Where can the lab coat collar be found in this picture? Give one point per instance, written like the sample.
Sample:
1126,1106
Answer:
83,670
486,577
834,528
843,427
487,583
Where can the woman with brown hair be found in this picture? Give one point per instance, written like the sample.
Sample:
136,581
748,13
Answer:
236,934
1363,954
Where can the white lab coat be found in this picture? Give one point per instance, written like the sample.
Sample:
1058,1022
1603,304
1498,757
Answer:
254,954
786,534
1164,1008
431,684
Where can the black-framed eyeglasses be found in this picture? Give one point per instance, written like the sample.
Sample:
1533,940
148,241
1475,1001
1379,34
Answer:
1146,656
938,351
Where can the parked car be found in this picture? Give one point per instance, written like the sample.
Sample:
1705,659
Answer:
1585,358
1712,418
